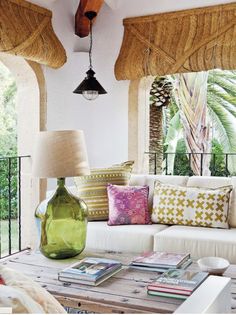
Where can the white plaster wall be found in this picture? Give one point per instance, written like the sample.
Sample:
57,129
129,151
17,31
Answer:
105,120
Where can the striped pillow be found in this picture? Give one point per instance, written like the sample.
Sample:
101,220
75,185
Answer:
93,188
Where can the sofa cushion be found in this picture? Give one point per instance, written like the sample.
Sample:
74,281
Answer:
149,180
93,188
128,205
191,205
215,182
198,241
125,238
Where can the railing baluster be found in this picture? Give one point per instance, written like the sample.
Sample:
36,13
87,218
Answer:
19,201
155,163
166,159
1,209
201,165
189,163
226,165
9,205
10,171
214,162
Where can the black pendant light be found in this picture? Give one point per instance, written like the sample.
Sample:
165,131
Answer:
90,88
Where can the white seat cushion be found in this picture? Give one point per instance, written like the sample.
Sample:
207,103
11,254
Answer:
125,238
198,241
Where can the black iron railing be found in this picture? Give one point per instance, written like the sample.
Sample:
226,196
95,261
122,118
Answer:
10,205
219,163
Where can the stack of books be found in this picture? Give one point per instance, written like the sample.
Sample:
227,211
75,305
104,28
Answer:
161,261
176,283
90,271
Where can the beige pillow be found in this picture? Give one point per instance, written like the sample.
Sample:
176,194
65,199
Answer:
93,188
16,300
191,205
24,295
216,182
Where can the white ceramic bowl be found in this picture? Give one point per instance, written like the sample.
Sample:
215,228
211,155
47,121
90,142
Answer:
213,265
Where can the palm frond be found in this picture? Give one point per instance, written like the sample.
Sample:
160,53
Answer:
226,74
224,85
224,131
212,98
222,95
224,127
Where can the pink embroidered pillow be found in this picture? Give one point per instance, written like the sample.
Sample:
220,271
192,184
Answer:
128,205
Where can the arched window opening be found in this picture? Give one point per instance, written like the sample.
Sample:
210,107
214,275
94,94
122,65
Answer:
23,115
192,124
8,167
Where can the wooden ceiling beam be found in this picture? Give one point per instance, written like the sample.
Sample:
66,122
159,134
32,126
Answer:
81,22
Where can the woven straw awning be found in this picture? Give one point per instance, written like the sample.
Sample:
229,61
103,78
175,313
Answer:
182,41
26,30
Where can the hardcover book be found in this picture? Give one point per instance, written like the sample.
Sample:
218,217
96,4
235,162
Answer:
170,295
90,270
178,279
161,269
160,259
88,282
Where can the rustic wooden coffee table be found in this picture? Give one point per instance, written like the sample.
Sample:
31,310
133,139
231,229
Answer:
125,292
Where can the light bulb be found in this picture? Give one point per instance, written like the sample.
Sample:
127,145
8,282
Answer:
90,95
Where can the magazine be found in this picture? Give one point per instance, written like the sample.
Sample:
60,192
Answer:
90,269
87,282
160,259
179,279
184,265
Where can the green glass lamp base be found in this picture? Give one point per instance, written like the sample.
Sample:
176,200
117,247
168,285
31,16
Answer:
63,225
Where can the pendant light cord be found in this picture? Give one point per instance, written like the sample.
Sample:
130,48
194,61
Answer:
91,45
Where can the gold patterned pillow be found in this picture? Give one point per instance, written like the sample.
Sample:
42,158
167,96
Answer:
191,206
93,188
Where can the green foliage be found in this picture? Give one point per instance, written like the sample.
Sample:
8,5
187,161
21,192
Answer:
172,138
8,182
9,94
173,107
217,165
8,117
8,144
182,165
221,111
5,235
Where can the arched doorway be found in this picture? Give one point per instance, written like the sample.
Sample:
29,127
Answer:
31,118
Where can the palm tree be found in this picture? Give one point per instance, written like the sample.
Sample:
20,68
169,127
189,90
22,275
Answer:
160,95
199,123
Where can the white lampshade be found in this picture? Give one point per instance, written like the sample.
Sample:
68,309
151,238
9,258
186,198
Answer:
60,154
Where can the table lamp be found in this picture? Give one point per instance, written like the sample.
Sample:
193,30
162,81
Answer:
61,154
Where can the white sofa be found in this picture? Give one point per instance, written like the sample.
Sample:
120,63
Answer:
199,241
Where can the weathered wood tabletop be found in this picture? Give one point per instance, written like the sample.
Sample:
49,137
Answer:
124,292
